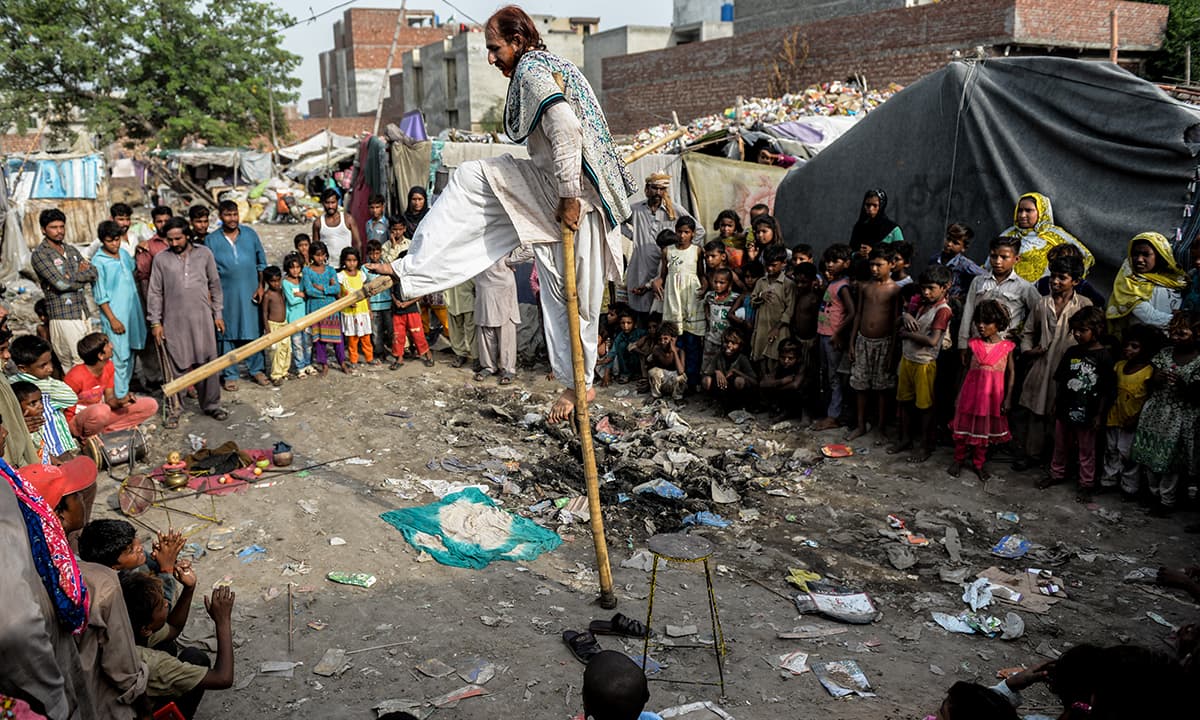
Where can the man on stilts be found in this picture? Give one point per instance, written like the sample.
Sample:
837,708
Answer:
573,178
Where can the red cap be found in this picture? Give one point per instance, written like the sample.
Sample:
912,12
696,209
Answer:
53,483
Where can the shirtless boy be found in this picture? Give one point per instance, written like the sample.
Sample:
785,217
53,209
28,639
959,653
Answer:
872,366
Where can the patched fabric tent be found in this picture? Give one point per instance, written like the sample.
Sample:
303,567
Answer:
1116,155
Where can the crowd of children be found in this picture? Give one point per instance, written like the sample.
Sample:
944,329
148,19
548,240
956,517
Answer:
1103,392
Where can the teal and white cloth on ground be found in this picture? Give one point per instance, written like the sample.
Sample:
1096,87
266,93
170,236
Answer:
469,529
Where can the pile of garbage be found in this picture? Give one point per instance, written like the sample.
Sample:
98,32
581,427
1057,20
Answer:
825,100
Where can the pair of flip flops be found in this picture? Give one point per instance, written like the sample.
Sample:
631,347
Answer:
583,645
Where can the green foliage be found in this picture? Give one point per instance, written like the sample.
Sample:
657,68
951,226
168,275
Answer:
1183,26
160,70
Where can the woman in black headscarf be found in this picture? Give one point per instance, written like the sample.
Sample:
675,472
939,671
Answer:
874,227
418,206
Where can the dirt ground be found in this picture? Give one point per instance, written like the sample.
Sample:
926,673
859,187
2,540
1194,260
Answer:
794,512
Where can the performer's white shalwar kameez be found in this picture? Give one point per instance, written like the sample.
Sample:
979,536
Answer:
490,207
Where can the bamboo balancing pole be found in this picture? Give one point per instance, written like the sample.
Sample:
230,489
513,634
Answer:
637,154
237,355
587,452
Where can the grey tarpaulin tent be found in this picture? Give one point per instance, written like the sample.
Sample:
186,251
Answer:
963,143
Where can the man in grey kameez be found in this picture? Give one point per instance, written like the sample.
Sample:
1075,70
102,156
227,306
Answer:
496,318
184,306
647,219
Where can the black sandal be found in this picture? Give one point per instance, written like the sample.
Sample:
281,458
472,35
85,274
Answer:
218,414
619,625
583,645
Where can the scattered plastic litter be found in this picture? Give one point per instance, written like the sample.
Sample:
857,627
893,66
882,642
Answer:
335,541
218,540
640,560
795,663
477,671
740,417
1162,620
661,488
838,603
358,461
811,632
248,553
434,668
1011,547
836,451
706,518
358,579
1009,516
332,663
278,668
970,623
842,678
723,495
978,594
677,631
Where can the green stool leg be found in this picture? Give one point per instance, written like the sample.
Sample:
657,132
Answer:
650,614
718,634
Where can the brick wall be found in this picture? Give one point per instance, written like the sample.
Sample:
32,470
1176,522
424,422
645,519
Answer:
369,34
1085,23
899,45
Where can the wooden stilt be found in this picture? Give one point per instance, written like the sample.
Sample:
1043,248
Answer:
587,450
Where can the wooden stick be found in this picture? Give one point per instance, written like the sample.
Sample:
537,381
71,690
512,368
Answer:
379,647
235,356
636,154
587,452
291,620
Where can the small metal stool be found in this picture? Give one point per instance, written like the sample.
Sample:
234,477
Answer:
679,548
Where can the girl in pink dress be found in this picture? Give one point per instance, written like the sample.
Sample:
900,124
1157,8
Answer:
986,393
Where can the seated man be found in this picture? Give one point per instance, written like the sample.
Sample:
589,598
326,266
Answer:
614,688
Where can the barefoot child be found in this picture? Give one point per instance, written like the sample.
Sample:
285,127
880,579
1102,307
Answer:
805,315
356,319
1085,388
665,364
274,315
381,307
406,320
773,298
320,285
682,283
833,322
1165,442
872,356
732,373
781,389
99,409
293,295
921,334
1045,340
986,393
1132,372
626,362
718,303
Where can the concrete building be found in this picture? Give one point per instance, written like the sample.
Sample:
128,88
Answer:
452,83
352,72
899,45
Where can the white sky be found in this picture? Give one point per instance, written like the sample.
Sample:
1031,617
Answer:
308,39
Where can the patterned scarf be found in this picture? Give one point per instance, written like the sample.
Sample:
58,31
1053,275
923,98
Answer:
1033,262
52,555
535,87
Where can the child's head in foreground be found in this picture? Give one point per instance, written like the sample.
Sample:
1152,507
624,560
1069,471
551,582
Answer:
112,543
614,687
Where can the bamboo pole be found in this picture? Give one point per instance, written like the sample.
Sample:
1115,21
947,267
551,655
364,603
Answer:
237,355
655,145
587,452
